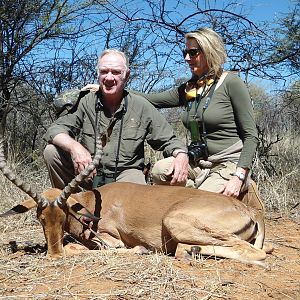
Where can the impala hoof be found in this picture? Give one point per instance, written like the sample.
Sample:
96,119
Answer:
268,248
141,250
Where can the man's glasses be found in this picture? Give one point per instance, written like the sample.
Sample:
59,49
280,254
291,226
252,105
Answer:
191,52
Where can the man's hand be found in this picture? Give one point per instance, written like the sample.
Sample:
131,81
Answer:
179,169
81,157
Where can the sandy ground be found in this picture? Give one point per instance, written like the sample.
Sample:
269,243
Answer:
25,272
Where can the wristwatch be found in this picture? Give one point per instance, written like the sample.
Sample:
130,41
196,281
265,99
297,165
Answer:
239,175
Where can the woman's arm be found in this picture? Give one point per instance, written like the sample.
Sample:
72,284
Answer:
245,120
166,99
171,98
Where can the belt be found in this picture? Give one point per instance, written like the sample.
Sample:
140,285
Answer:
106,175
102,178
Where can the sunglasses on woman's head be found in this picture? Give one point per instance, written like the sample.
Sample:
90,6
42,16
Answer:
191,52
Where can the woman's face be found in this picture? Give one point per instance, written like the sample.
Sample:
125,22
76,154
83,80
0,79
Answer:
195,59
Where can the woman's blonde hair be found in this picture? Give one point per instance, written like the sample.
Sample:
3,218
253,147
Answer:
213,47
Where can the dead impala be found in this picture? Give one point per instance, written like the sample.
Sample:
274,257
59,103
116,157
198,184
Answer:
158,218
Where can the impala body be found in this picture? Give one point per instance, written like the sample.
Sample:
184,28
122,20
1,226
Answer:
159,218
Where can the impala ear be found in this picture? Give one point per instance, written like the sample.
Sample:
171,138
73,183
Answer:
21,208
80,210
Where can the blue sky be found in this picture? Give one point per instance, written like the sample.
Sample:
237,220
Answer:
266,10
256,10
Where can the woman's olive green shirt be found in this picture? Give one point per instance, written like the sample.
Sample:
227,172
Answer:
228,117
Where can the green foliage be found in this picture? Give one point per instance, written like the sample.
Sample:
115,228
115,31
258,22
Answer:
28,123
277,118
288,41
291,103
260,100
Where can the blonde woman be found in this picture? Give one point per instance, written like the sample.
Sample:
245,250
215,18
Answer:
219,113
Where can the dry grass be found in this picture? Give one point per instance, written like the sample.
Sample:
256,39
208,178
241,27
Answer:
25,273
280,191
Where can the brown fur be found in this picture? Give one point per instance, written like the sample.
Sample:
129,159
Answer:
157,217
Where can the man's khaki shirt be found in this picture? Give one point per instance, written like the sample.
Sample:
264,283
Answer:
142,122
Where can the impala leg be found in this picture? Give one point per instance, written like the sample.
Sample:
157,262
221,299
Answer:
212,242
116,244
252,199
75,249
241,251
139,250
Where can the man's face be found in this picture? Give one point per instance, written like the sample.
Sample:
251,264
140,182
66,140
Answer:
112,74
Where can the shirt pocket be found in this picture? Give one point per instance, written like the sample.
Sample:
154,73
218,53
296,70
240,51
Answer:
132,142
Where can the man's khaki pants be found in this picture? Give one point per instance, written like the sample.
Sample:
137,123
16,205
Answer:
61,170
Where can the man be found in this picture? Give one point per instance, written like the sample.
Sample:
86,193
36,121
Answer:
127,119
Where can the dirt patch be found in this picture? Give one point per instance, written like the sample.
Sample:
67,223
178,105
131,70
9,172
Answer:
27,274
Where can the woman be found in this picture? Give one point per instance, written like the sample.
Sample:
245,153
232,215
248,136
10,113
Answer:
218,113
219,103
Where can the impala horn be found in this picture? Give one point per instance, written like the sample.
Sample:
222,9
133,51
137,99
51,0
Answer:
25,187
72,186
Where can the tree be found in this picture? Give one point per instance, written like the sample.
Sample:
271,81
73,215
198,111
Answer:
287,50
291,110
250,46
26,26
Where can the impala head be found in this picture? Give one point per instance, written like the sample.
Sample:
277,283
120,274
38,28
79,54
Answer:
53,218
52,206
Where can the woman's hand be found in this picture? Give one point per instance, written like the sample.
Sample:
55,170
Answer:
233,186
91,87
